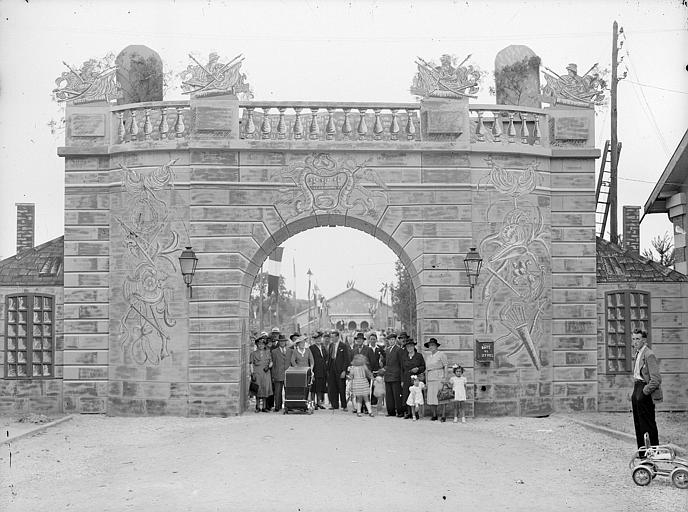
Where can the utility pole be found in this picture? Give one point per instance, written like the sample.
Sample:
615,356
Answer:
613,221
310,329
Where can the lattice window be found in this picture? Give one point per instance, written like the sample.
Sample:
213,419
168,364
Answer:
625,311
30,336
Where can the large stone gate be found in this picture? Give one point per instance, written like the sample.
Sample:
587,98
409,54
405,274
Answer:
235,179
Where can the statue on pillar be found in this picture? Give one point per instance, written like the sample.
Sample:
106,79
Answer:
215,78
573,89
94,81
445,80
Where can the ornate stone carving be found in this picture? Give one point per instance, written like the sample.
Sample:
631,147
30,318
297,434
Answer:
445,81
571,89
94,81
150,242
516,256
215,78
324,184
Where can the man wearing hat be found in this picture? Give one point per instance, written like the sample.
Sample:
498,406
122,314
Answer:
392,371
339,359
319,385
412,365
281,360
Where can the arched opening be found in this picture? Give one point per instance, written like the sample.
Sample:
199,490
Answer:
308,299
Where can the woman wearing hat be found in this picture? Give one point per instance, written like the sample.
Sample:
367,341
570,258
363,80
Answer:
260,363
436,365
412,364
301,356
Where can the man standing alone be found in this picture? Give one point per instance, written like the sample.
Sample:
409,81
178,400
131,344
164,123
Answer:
646,391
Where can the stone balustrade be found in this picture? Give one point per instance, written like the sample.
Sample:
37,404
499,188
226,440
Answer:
507,124
159,120
330,121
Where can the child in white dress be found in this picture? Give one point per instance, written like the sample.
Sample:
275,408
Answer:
458,382
415,398
379,392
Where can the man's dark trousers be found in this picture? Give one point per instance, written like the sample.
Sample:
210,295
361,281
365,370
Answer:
643,415
393,398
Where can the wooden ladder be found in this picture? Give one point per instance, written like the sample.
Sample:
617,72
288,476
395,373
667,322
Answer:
603,187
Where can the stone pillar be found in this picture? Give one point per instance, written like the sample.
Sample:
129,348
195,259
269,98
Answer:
445,120
676,205
631,228
26,221
214,117
517,76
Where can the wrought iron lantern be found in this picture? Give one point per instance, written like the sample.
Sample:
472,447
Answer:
473,263
187,264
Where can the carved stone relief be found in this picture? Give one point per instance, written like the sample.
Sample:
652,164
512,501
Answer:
94,81
572,89
150,242
445,80
516,264
325,184
214,78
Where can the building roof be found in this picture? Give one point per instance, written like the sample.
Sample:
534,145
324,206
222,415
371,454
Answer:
616,265
341,295
39,266
670,182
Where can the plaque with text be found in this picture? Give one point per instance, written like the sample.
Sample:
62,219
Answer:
87,125
214,118
484,351
571,128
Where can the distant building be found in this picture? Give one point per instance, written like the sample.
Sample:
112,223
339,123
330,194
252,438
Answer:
350,310
32,316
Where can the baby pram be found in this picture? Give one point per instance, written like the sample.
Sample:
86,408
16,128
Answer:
297,383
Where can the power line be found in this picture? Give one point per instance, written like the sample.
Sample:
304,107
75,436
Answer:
656,87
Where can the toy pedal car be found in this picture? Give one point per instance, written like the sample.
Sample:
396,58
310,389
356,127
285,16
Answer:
649,461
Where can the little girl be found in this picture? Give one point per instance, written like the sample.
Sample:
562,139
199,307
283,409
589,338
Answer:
360,377
458,382
415,398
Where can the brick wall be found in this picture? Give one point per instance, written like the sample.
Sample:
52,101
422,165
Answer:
26,220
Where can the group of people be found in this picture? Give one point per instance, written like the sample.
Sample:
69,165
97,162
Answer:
372,373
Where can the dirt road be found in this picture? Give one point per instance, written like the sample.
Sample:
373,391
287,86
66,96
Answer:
325,462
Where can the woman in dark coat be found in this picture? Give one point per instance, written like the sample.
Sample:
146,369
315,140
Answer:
260,363
412,363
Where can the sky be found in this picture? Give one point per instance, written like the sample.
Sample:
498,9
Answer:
336,51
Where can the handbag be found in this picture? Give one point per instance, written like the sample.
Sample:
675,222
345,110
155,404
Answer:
445,393
253,386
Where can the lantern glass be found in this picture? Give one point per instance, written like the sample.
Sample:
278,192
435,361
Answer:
473,263
188,262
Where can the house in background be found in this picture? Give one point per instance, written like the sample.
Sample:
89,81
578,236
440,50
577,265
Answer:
350,310
633,292
670,197
32,316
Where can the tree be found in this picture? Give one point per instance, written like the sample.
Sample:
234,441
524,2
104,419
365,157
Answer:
664,247
273,316
404,298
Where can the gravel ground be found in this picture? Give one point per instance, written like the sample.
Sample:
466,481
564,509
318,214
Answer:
672,426
328,461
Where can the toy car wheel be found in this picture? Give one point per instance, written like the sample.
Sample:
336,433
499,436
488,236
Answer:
642,475
651,467
679,477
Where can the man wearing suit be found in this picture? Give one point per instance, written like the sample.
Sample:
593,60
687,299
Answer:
339,361
320,360
281,360
363,349
395,407
646,391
